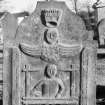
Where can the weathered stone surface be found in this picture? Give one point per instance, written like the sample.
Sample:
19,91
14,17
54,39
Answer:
50,58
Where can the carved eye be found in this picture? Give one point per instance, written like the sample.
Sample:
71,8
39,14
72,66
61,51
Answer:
52,35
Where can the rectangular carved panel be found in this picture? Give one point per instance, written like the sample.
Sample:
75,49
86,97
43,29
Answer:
46,81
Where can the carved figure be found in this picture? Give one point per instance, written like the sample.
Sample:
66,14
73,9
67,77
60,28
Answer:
50,86
51,36
50,50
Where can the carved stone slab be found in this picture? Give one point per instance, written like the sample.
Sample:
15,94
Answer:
47,57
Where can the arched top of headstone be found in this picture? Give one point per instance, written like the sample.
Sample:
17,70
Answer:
52,15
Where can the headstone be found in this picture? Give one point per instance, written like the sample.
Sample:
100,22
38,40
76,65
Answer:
46,61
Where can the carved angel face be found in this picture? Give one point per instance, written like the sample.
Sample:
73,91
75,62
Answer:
51,36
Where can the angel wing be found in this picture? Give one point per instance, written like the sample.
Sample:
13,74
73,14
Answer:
69,50
30,50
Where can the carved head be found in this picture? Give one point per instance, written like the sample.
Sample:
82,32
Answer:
52,17
51,70
51,36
